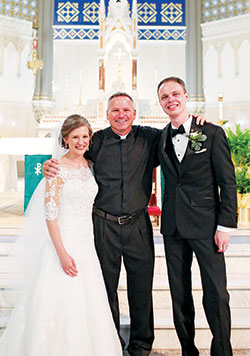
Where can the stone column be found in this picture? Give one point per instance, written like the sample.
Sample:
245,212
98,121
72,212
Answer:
134,52
194,67
101,84
134,74
43,95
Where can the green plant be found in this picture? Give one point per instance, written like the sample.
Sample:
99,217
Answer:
243,180
239,143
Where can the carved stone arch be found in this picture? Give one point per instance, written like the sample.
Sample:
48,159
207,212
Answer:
17,32
236,43
219,46
117,36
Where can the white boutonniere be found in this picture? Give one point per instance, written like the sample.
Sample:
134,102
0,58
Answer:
196,138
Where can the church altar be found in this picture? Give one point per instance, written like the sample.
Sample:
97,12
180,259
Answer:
13,149
20,146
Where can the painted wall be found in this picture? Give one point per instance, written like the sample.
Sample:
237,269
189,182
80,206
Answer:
16,80
21,9
226,68
218,9
156,60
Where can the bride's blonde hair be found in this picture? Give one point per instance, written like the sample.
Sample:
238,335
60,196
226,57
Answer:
71,123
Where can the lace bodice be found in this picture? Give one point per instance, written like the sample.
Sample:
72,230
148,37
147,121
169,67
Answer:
72,191
58,315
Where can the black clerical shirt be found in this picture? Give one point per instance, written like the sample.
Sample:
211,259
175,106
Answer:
123,168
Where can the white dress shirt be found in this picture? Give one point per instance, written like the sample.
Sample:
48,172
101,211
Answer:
180,141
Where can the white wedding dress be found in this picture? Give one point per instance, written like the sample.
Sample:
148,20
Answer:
57,315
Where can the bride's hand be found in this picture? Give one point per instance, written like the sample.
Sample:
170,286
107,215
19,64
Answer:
68,265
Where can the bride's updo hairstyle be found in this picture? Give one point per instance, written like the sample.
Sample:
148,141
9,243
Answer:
71,123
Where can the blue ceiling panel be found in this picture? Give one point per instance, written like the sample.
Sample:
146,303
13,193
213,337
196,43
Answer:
150,12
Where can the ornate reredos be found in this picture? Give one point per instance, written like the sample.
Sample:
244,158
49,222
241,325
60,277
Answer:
118,26
118,9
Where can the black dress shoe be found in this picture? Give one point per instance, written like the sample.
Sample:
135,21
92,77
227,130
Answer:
190,352
125,353
137,353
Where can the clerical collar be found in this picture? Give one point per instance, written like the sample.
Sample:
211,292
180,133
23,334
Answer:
186,124
122,137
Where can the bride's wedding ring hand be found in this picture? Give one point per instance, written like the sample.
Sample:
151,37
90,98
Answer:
68,265
50,168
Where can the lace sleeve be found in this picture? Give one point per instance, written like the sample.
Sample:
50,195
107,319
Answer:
52,194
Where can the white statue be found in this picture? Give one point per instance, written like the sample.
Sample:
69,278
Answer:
118,9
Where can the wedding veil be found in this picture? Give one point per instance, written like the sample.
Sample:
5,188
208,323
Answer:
34,233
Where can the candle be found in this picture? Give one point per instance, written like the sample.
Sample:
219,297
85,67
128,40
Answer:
35,42
80,95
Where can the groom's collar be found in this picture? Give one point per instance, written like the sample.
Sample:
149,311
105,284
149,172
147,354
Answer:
187,124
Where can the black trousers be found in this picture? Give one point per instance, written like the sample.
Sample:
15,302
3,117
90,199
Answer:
134,243
179,255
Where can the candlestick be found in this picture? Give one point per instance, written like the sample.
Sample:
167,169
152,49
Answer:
80,94
66,98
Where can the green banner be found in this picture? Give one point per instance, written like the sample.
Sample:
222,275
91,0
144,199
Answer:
162,186
33,174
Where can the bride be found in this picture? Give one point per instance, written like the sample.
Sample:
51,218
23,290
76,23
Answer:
63,308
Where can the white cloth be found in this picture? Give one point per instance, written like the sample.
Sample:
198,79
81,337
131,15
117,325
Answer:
57,315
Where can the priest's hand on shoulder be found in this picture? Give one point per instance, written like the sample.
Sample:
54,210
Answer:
50,168
200,120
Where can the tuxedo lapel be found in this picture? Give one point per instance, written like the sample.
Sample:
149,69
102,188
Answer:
164,152
193,127
189,152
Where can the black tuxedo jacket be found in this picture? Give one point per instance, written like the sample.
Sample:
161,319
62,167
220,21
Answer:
200,192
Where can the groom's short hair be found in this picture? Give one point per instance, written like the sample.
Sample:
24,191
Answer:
172,79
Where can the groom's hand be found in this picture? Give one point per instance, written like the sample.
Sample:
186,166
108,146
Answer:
222,240
50,168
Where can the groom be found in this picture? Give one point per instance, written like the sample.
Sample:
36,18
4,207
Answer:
198,209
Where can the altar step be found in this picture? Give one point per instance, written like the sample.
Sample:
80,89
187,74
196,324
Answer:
238,288
238,272
238,280
165,334
237,258
166,338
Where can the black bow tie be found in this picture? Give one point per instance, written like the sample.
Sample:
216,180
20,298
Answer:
175,132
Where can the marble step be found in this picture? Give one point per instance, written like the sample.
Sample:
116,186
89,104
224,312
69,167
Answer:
3,321
165,335
238,288
237,259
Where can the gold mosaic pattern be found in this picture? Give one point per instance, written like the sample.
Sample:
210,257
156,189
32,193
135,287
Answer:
146,12
22,9
172,13
67,12
218,9
91,12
